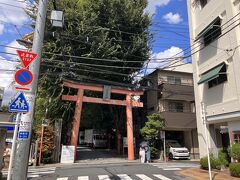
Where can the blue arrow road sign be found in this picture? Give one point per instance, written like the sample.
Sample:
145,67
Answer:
20,104
23,135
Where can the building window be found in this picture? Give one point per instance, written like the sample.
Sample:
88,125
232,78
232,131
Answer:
236,137
202,3
175,107
213,33
174,80
222,77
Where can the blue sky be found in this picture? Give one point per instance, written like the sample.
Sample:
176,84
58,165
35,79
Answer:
171,18
168,15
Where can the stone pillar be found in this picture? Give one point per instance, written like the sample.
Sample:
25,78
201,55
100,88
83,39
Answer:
3,134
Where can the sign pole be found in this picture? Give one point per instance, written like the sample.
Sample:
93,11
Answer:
22,155
206,139
13,147
164,148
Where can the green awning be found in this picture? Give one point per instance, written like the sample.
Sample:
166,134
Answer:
210,75
206,29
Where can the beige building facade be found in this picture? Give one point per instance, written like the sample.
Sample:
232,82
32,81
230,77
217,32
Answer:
215,39
173,97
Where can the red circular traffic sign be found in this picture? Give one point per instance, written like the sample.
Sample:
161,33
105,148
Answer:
23,77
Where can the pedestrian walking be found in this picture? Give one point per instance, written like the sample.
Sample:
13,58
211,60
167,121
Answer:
148,153
142,154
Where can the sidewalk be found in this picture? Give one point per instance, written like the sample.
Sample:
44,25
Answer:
199,174
99,161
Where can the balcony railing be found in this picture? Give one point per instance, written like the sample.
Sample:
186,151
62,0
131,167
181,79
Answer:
176,81
177,110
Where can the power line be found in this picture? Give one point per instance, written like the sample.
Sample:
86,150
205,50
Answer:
97,59
111,60
12,5
102,71
195,43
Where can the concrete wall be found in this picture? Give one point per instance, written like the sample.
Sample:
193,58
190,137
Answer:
186,78
191,142
225,98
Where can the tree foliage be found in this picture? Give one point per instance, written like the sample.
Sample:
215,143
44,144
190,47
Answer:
153,126
116,30
48,140
234,151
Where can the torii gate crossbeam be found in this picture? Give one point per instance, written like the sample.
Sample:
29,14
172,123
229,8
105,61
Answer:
80,98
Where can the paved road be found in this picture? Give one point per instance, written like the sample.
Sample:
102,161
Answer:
121,171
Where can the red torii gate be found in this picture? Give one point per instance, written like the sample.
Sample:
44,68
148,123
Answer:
80,98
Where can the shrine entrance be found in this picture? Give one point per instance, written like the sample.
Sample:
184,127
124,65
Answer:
107,90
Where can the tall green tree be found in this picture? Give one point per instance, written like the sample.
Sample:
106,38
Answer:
151,131
110,36
152,128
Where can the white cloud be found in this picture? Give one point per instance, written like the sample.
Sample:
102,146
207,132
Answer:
172,18
158,59
13,15
9,50
1,29
7,70
161,60
9,93
154,4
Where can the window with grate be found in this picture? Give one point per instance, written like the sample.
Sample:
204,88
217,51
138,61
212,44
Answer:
175,106
236,137
220,79
174,80
213,33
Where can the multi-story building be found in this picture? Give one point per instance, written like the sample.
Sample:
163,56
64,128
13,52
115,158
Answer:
215,39
172,96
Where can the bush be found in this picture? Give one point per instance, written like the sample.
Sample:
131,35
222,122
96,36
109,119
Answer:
215,163
154,153
234,151
224,158
234,169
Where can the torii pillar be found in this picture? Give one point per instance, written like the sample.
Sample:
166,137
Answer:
80,98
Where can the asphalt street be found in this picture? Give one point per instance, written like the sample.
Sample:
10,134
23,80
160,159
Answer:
121,171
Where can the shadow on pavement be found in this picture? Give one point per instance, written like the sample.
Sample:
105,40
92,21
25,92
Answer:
86,153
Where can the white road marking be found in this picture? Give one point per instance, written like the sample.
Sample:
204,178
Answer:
46,172
65,178
161,177
143,177
32,176
172,169
103,177
124,177
83,178
41,169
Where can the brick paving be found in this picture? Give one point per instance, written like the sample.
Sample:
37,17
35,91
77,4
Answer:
199,174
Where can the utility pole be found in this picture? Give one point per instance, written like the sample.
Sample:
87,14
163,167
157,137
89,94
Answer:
22,156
